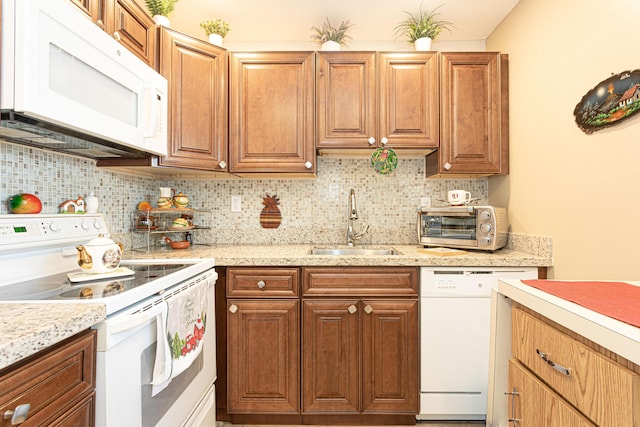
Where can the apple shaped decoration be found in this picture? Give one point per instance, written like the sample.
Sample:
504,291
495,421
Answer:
24,203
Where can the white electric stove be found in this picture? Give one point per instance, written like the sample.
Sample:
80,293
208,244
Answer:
37,256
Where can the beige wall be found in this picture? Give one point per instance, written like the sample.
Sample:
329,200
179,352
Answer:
581,190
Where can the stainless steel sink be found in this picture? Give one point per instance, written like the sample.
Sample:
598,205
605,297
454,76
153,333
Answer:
353,251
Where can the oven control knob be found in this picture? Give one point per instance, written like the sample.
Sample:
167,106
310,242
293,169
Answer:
485,228
54,227
84,226
485,241
97,225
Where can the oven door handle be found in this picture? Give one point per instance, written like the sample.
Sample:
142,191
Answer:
126,323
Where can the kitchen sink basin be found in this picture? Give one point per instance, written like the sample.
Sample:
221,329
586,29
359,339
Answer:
353,251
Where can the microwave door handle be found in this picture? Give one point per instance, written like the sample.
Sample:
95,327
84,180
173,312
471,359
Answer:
150,108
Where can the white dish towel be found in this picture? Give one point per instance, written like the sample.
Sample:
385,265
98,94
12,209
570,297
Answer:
182,326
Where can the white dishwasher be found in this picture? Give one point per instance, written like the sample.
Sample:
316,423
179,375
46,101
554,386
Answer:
455,313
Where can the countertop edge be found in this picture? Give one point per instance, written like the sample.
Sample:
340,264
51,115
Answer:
298,255
27,328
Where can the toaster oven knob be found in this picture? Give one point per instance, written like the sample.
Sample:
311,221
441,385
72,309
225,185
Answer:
485,228
485,241
484,215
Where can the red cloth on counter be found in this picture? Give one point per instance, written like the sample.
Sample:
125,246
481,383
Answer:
618,300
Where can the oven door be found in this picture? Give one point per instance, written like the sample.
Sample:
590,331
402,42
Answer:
127,345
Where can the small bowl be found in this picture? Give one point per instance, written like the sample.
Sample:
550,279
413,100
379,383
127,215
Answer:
183,244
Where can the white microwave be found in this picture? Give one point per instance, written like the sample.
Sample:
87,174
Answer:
67,85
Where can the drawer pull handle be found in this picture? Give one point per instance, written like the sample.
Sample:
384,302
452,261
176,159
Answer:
18,415
551,363
261,284
513,418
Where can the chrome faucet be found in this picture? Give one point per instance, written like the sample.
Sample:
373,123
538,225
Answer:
352,236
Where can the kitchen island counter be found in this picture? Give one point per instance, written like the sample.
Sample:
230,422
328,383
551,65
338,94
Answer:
26,328
619,337
298,255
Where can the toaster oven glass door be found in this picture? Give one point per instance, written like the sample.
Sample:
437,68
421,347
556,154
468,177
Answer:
448,227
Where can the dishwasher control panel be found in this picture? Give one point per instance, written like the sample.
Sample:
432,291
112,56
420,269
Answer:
468,282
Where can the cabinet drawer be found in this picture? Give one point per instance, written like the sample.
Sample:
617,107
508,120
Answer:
266,282
536,405
605,391
360,281
51,382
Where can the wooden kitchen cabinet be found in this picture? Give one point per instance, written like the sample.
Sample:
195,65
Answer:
474,116
94,9
370,99
263,344
132,26
366,335
583,379
127,22
58,383
271,112
533,404
197,75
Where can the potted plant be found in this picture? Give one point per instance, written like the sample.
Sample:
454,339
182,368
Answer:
160,10
216,29
330,37
423,27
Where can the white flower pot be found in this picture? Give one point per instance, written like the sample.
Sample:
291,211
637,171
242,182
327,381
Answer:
330,45
162,20
423,44
215,39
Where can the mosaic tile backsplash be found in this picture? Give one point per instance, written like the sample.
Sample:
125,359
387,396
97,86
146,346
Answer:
313,210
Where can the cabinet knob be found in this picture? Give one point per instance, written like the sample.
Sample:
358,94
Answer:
222,164
100,24
233,308
116,35
384,140
447,166
308,165
371,141
261,284
18,415
368,309
352,309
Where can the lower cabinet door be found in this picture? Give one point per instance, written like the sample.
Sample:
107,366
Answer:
330,357
263,361
390,356
533,404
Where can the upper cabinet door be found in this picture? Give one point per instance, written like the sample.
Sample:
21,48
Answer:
372,100
474,135
132,26
347,103
271,112
197,75
408,107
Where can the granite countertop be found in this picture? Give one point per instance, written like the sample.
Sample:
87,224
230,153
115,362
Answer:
26,328
298,255
619,337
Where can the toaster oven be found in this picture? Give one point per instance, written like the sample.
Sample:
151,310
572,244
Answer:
467,227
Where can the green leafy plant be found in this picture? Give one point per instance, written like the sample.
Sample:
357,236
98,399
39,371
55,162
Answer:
424,23
327,32
161,7
215,26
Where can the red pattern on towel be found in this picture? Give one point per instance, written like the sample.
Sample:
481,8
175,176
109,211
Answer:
618,300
